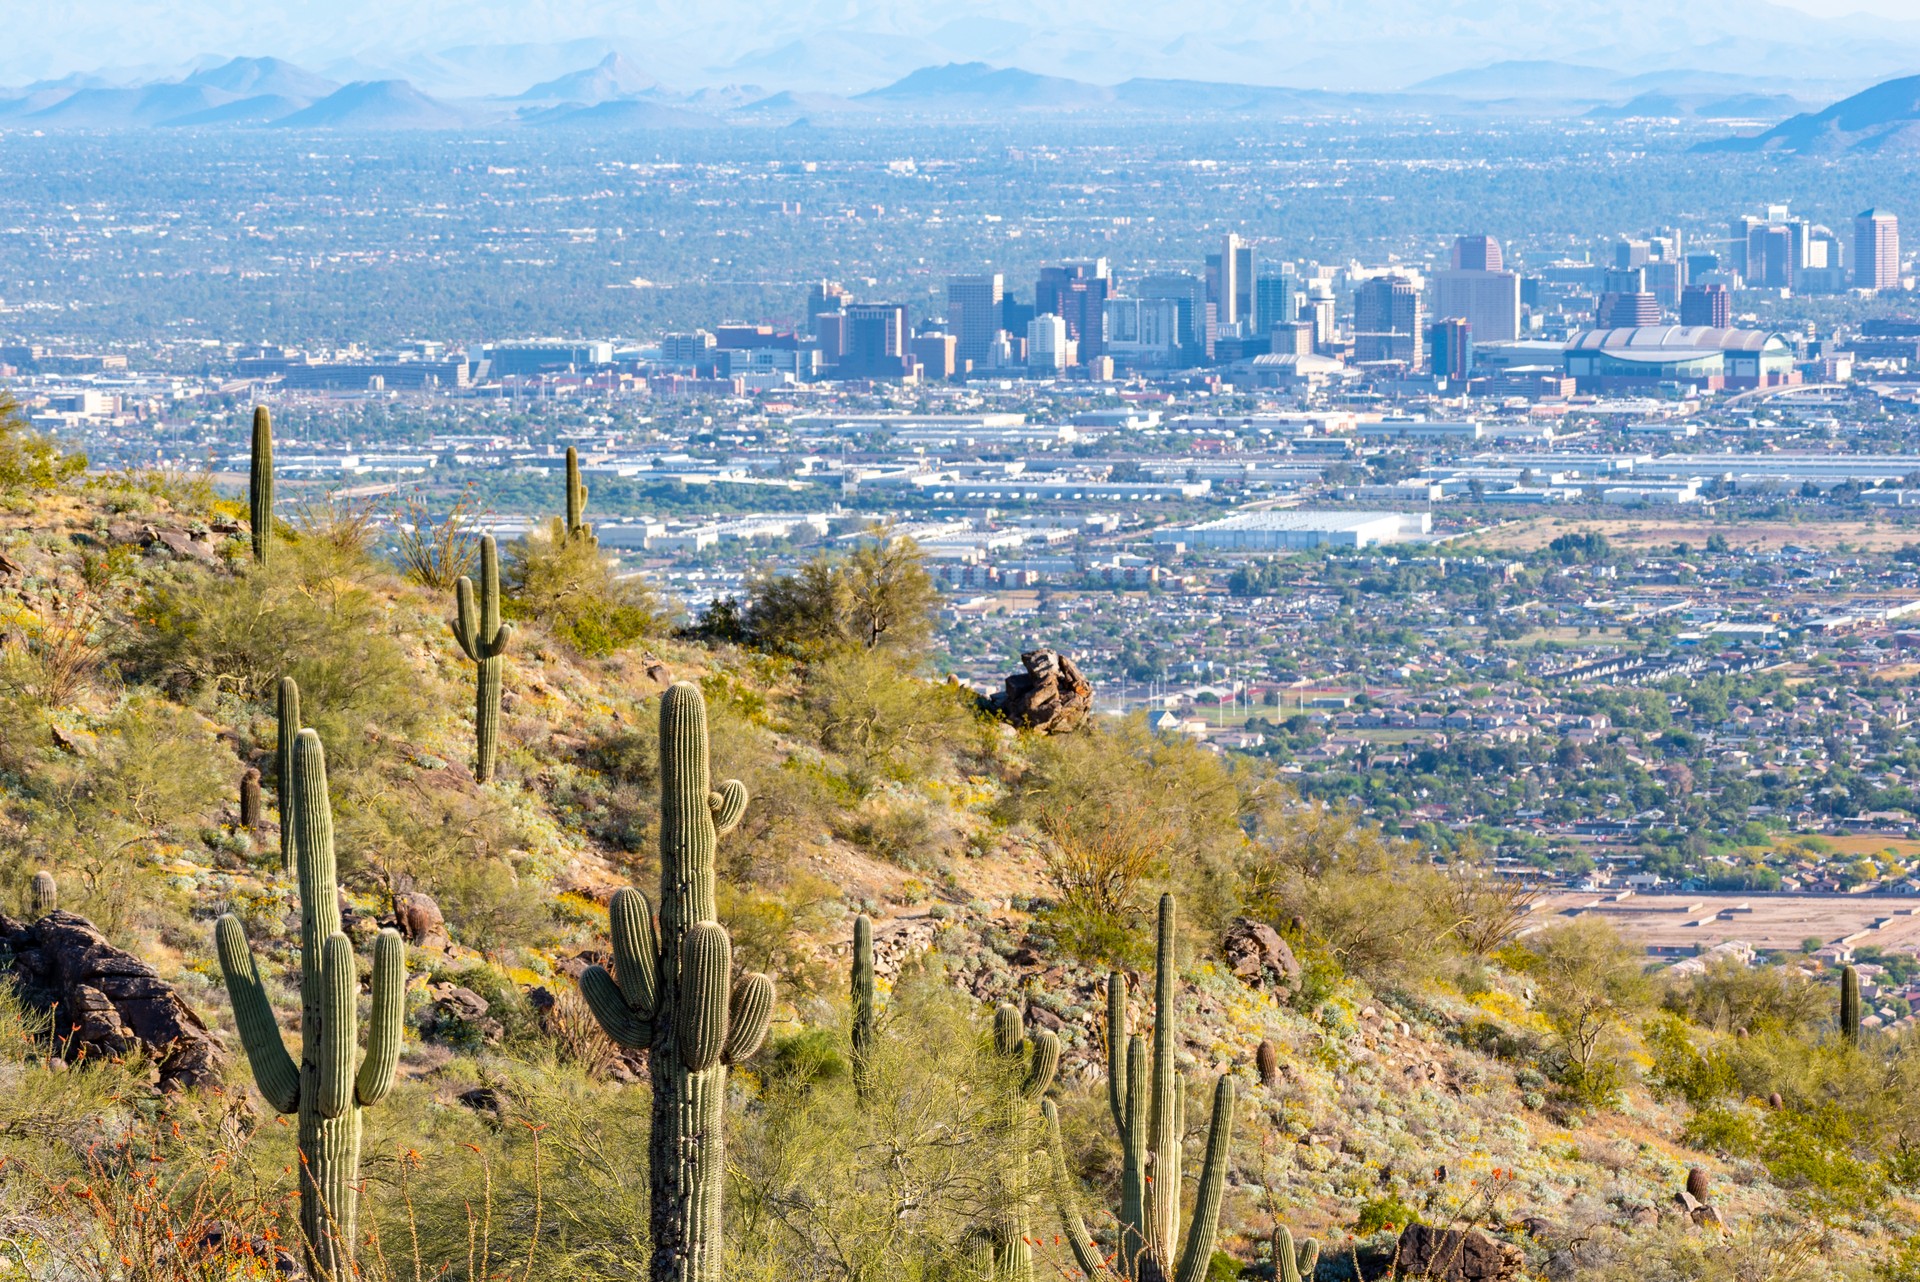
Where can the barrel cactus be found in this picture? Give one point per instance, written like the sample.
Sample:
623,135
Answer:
577,527
324,1088
260,484
484,639
673,992
1149,1107
45,895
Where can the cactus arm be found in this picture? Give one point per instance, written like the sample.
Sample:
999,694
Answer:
385,1029
1085,1253
636,950
1133,1157
1307,1259
1008,1029
750,1015
618,1020
1117,1037
728,803
1041,1068
1205,1228
287,716
863,1006
338,1025
1286,1265
489,594
466,630
1850,1004
706,964
273,1069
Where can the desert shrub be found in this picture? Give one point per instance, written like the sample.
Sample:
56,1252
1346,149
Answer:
51,659
1484,911
29,462
317,615
1591,985
432,553
570,587
492,908
1372,902
1728,996
877,596
1680,1068
771,930
901,833
886,723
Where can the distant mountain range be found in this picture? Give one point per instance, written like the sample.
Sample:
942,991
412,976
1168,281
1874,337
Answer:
1883,119
615,93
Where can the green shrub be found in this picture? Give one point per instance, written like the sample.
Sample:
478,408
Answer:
30,463
1386,1212
572,589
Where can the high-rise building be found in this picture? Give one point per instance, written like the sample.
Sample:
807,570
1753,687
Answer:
1708,305
1626,310
1190,293
1389,322
1276,301
1451,340
1077,291
1477,254
934,352
824,298
1295,338
1876,250
973,311
1488,301
1230,282
1628,254
876,341
1739,233
1048,346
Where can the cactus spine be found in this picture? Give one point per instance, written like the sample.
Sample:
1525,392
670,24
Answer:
324,1089
1850,1004
1040,1056
287,714
864,1022
577,527
672,991
260,484
46,894
484,639
250,799
1148,1112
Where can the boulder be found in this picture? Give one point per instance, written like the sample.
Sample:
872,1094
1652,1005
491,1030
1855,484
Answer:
1457,1255
1051,696
418,920
106,1002
1256,954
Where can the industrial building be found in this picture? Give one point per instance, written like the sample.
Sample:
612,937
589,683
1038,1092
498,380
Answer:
1294,531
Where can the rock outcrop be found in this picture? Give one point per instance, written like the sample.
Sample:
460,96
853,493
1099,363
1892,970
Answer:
1256,954
1051,696
106,1002
1456,1255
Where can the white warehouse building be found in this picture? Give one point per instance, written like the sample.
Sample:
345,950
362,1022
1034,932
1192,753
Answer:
1292,531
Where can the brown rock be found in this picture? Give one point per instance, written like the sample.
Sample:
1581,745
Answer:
1255,952
106,1002
1051,696
418,920
1457,1255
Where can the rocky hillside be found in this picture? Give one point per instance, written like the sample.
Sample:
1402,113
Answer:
1401,1072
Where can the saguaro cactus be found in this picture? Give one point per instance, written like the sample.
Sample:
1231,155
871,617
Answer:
1148,1111
864,1021
484,639
577,527
1291,1263
1850,1004
672,991
323,1089
1040,1055
287,716
46,894
260,484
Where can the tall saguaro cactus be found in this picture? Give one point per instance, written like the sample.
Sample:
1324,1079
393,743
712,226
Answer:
864,1020
1149,1112
673,992
260,484
287,717
577,527
45,895
1040,1056
1850,1004
484,639
324,1088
